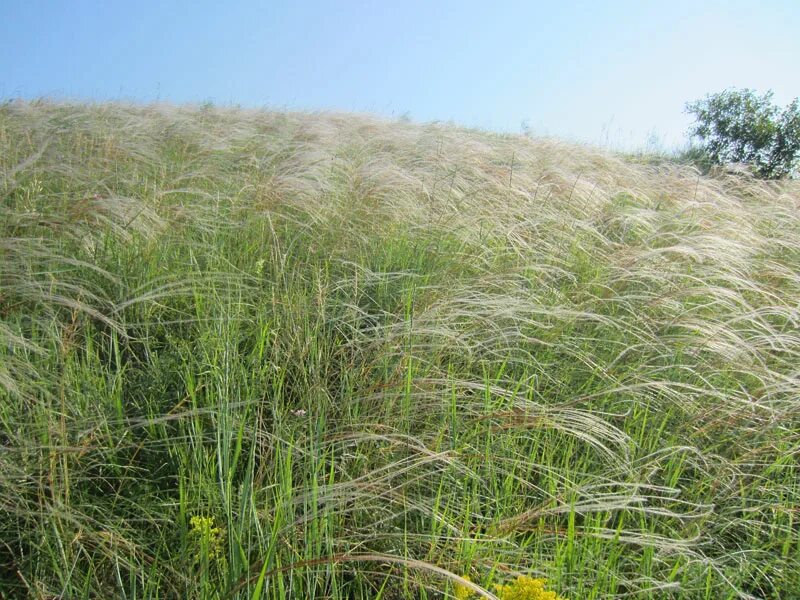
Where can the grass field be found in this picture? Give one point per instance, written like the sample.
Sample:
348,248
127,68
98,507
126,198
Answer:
252,354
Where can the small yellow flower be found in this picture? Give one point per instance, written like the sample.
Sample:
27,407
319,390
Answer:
207,539
463,592
526,588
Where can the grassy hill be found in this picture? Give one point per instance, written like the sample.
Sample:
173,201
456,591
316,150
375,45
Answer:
251,355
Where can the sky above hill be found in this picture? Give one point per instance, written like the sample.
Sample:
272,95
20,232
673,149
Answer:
612,73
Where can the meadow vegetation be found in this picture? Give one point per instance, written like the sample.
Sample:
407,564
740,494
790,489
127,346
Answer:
250,354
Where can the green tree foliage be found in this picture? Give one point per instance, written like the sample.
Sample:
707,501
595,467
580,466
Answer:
741,126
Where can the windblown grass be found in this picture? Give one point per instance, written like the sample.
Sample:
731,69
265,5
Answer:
370,358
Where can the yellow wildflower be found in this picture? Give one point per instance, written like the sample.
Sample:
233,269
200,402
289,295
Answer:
207,539
462,592
526,588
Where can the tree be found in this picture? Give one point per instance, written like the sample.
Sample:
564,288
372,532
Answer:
742,127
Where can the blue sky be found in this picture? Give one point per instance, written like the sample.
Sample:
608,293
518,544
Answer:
613,73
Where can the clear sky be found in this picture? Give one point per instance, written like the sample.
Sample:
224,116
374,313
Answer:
607,72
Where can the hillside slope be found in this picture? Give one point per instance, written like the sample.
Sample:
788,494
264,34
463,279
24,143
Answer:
249,354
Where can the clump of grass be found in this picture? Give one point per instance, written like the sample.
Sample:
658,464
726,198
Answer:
377,352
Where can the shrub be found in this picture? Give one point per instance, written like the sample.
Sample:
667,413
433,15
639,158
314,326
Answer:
740,126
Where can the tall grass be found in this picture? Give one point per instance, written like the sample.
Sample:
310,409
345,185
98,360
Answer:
376,357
